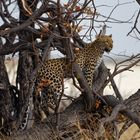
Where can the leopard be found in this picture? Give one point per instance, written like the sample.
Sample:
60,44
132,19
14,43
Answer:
51,74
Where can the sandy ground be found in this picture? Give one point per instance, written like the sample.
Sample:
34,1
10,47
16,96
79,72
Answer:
131,134
128,82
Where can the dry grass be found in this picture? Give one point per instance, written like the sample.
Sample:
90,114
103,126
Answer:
133,133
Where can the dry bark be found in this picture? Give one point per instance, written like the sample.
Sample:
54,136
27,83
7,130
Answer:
75,123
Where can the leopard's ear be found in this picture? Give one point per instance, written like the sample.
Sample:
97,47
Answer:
110,35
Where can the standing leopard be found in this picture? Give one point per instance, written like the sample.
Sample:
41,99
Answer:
51,74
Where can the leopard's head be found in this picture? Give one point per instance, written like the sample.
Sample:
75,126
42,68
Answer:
105,42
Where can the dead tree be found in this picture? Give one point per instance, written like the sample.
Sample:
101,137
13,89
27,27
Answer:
48,24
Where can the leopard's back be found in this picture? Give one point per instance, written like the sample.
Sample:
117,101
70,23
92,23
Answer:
50,72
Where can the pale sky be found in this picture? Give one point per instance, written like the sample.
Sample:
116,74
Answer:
123,44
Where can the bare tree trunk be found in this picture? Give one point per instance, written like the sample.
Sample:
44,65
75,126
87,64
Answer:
75,123
26,59
5,97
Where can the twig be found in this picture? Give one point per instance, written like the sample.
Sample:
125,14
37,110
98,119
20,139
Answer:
112,101
115,112
28,22
118,94
135,24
